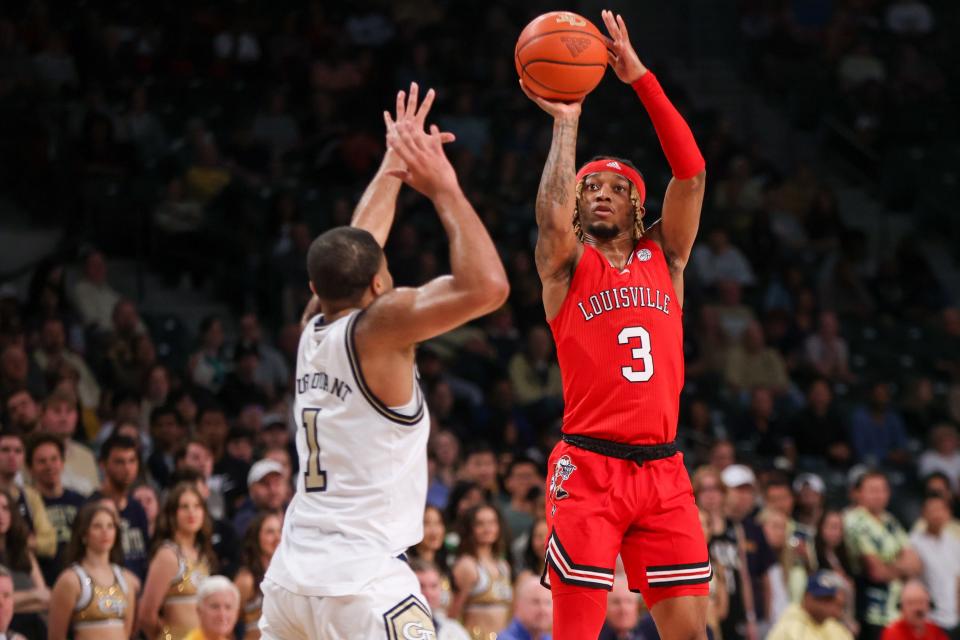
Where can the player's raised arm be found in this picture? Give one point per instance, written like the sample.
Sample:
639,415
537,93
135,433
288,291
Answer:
557,244
478,283
377,207
684,197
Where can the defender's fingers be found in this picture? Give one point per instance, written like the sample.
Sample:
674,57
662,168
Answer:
424,107
401,104
412,99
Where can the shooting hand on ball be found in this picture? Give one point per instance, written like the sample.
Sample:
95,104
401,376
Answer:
621,55
559,110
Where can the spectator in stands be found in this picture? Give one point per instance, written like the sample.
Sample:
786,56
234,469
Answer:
207,176
167,433
817,617
80,603
31,595
623,613
120,464
940,554
241,387
7,605
272,372
26,498
60,418
532,614
52,354
943,456
844,292
16,372
877,430
182,558
259,544
939,484
718,604
914,620
268,490
717,260
809,490
218,606
208,366
482,591
93,296
534,372
121,351
741,496
223,538
880,554
125,405
480,467
921,408
432,550
21,410
753,364
826,351
527,550
522,475
830,554
761,433
787,575
197,455
818,432
733,316
431,580
45,461
147,496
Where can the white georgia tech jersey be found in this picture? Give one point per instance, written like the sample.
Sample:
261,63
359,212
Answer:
362,483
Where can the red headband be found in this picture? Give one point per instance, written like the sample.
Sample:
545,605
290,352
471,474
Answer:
607,164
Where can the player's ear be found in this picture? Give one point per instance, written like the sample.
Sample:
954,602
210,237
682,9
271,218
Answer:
313,289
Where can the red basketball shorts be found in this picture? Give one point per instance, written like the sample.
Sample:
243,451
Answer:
599,506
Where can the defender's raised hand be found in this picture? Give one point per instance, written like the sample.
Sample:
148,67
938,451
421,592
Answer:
407,110
621,55
427,168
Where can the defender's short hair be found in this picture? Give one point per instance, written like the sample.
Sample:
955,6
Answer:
342,262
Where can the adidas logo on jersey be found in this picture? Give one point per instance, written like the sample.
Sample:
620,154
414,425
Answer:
613,164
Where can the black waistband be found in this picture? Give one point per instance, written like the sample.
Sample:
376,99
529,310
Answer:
638,453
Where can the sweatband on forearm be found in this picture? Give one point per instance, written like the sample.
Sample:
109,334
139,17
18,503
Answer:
675,136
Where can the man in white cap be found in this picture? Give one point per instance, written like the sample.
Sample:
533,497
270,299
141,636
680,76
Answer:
741,508
266,485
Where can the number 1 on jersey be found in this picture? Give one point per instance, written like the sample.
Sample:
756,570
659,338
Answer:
638,353
314,478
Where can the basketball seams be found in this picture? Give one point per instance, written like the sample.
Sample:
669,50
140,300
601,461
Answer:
550,33
578,92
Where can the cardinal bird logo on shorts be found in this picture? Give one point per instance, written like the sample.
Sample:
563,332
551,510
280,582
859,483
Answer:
562,471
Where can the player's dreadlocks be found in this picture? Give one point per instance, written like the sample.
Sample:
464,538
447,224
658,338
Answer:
638,210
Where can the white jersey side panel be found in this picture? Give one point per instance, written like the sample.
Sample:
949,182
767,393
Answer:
363,471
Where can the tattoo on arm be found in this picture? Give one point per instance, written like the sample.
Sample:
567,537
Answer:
557,181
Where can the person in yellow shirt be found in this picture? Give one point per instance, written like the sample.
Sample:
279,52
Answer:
218,606
817,617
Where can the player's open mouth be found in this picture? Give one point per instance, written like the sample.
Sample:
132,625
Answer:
604,212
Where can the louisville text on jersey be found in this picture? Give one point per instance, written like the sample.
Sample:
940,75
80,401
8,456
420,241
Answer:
623,298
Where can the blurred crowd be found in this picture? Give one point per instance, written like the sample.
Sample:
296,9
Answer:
819,417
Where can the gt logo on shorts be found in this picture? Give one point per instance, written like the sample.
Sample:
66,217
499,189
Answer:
409,620
562,471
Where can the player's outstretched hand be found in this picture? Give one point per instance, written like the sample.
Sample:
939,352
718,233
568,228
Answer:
427,168
621,55
555,108
407,110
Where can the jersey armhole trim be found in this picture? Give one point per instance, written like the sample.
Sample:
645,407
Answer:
375,402
573,279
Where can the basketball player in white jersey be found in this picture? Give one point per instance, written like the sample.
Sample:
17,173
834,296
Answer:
363,424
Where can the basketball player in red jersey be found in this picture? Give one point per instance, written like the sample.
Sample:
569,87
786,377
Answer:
613,295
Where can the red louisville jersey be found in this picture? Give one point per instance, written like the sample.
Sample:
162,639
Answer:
619,336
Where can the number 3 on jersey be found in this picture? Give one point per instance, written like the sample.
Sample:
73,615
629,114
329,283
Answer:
638,353
314,478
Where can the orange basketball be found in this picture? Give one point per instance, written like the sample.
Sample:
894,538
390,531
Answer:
561,56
